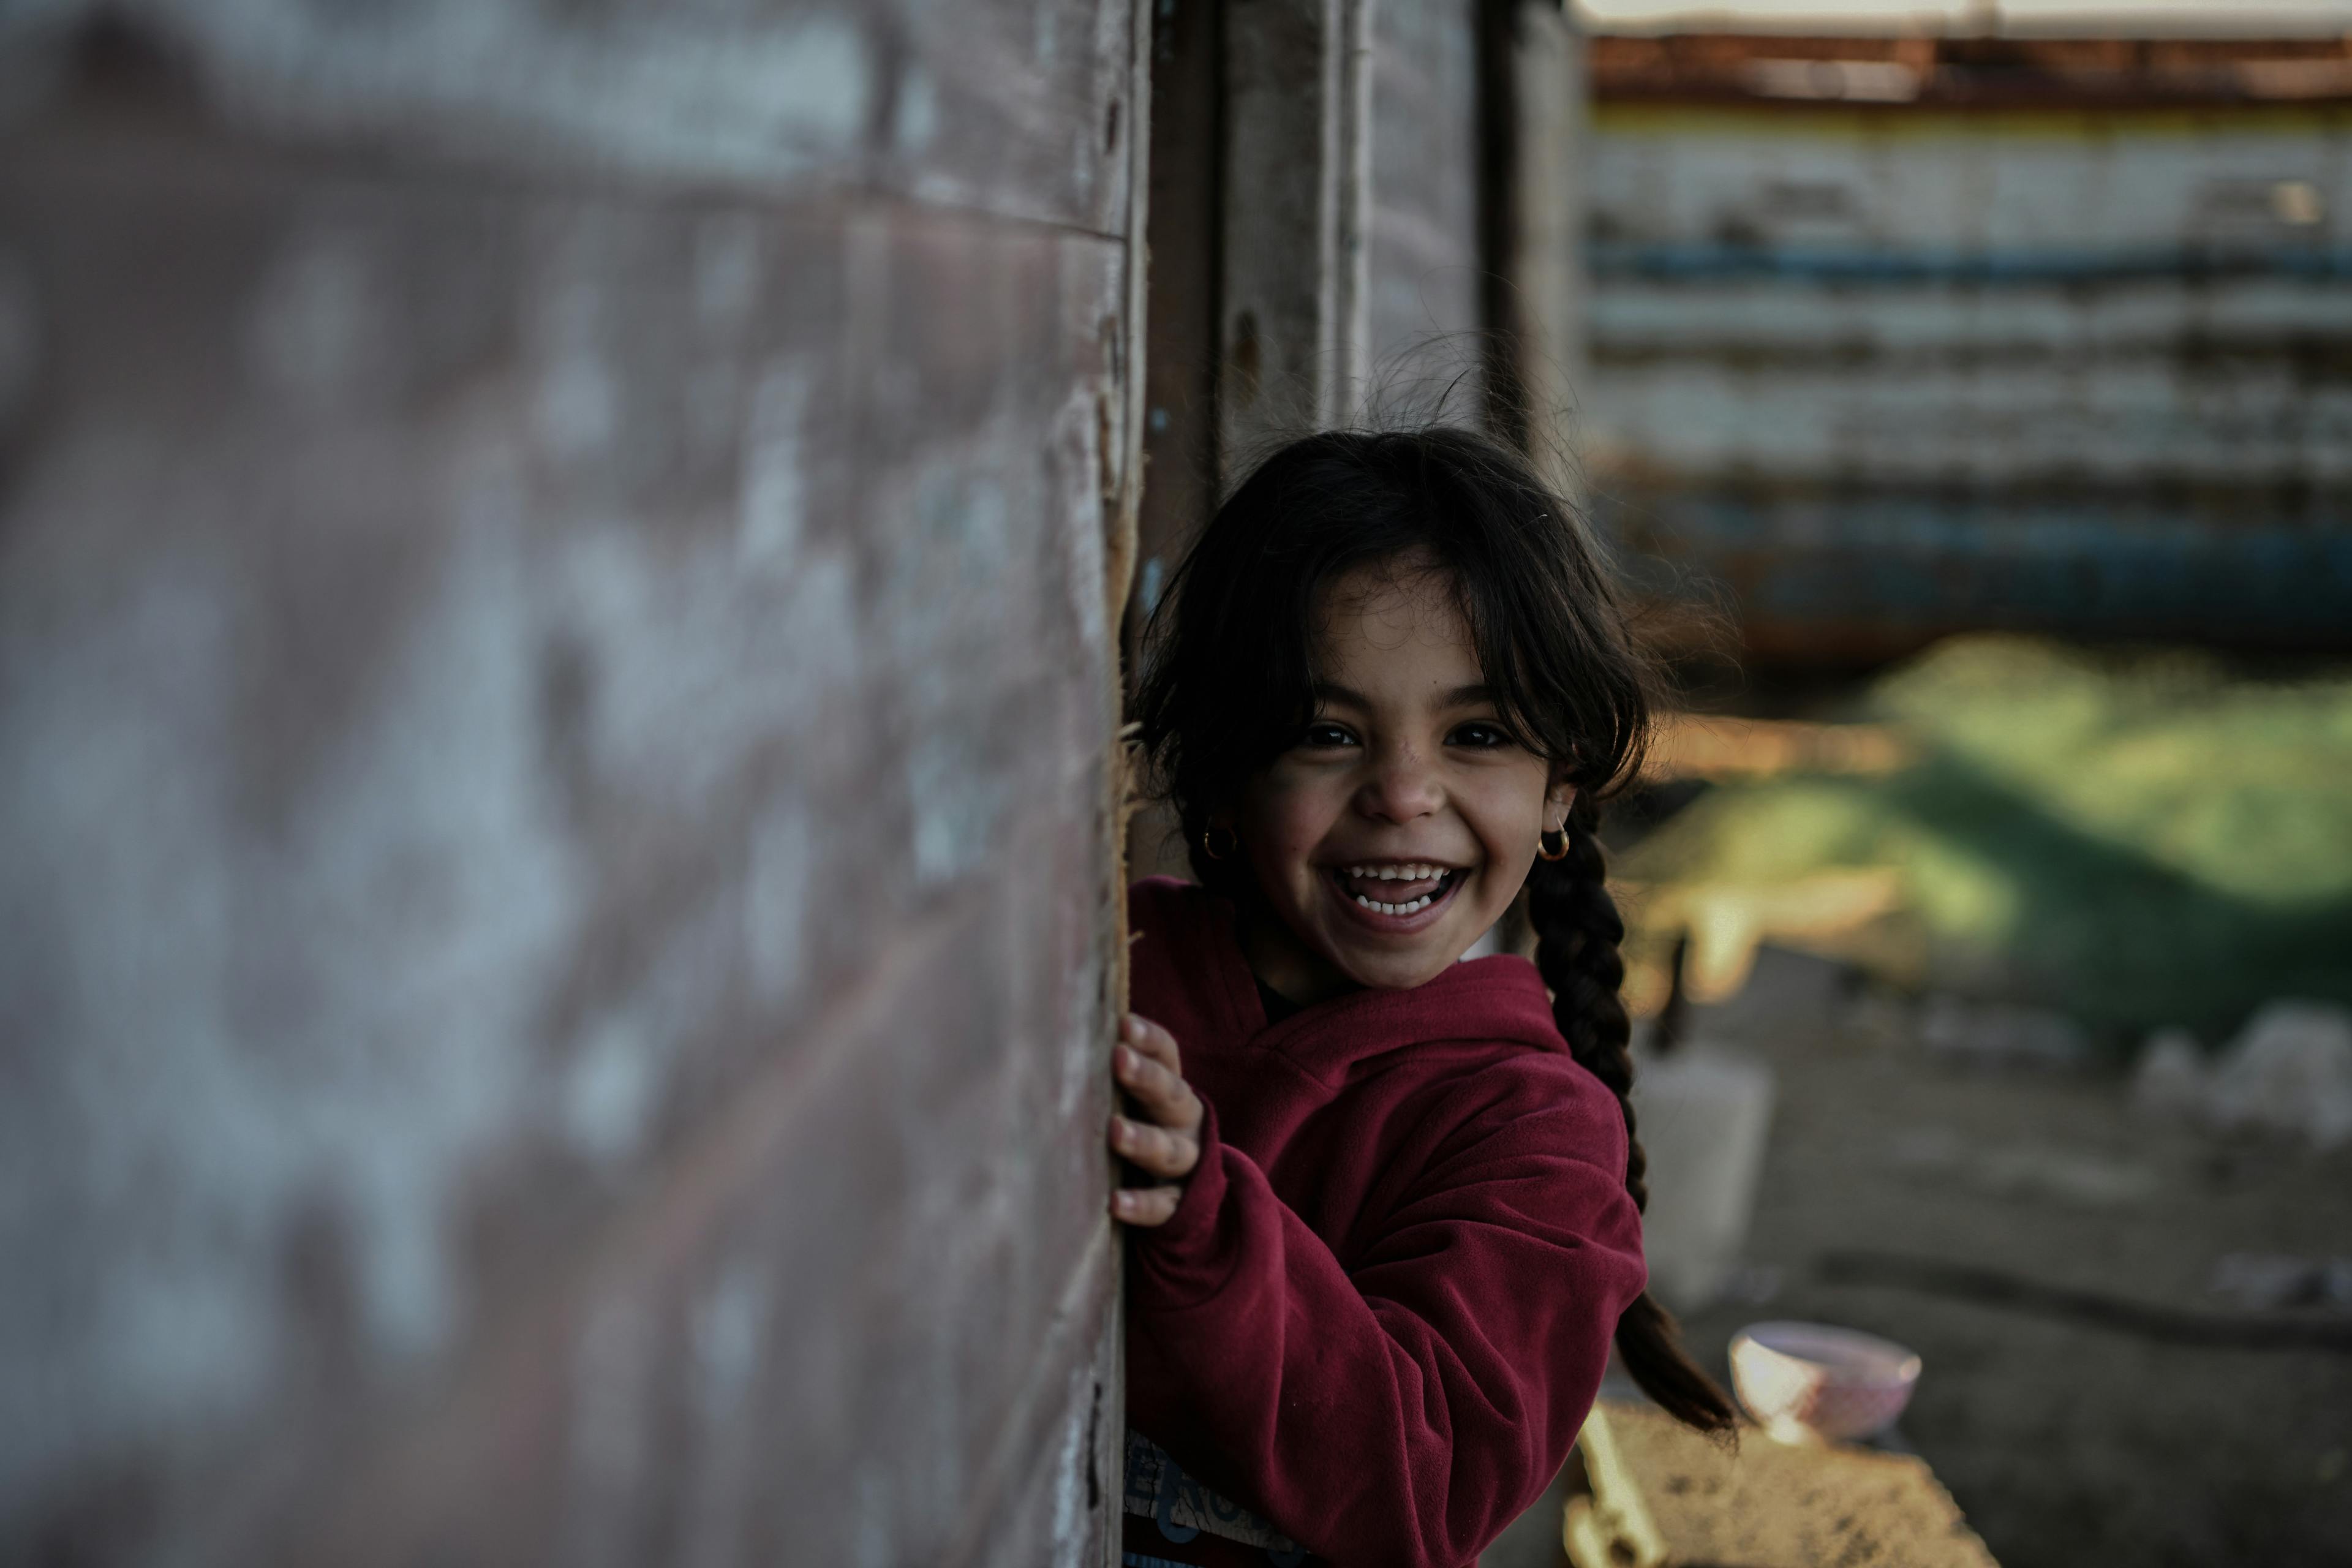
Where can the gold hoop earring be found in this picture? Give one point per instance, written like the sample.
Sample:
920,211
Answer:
1208,845
1544,848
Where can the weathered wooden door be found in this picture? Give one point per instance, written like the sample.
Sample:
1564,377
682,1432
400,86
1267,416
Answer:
558,582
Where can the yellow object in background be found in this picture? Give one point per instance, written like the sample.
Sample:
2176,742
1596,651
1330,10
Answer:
1660,1495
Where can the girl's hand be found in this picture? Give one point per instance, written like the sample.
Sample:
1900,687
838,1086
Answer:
1165,1141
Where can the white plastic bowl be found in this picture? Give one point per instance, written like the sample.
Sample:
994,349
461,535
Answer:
1809,1383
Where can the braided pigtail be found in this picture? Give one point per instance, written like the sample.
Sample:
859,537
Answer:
1577,930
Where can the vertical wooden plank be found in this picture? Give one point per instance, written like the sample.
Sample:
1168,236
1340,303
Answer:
1179,373
1106,1436
1535,115
1425,262
1297,163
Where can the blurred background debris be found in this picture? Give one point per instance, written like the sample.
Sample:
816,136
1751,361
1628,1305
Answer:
2131,1347
2266,1281
2140,839
1967,385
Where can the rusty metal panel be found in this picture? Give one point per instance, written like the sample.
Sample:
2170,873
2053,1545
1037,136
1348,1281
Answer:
1890,372
554,841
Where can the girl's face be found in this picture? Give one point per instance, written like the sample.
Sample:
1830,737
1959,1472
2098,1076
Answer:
1401,824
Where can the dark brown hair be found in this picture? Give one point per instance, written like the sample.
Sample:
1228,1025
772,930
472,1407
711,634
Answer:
1228,686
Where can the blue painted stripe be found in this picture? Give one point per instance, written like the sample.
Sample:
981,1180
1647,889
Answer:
1709,262
1923,562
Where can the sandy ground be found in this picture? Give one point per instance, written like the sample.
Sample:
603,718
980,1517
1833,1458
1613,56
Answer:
2066,1443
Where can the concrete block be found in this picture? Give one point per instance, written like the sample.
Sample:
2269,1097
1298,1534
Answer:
1705,1115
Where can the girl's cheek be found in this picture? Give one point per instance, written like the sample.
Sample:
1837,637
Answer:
1290,815
1508,823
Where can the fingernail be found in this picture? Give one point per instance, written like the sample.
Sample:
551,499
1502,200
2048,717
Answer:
1125,1059
1124,1202
1134,1028
1122,1130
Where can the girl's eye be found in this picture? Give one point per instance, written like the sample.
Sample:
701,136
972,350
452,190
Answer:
1480,736
1325,736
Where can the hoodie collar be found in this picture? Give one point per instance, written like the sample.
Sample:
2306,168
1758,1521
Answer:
1497,998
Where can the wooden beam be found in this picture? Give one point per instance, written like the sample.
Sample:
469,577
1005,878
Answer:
1297,174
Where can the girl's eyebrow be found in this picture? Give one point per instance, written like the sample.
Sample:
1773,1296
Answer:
1474,696
1348,696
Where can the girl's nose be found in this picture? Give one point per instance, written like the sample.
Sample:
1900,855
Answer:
1402,785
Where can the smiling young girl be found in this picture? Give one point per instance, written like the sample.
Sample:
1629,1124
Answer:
1393,1221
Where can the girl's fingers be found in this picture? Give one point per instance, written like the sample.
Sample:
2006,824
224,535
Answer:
1157,1150
1145,1205
1152,1070
1141,1075
1162,1097
1154,1042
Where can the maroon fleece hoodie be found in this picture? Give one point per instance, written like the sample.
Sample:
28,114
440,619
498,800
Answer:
1382,1308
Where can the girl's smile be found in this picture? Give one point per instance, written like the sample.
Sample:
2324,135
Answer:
1401,824
1397,892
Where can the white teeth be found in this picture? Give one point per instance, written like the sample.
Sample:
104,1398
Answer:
1395,873
1416,905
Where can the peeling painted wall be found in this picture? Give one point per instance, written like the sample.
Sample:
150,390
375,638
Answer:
555,827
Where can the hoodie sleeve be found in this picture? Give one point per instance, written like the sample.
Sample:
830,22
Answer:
1404,1409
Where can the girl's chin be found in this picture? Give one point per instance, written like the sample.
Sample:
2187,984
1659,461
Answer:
1394,971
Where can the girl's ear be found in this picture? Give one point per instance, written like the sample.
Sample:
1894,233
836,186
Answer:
1559,799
